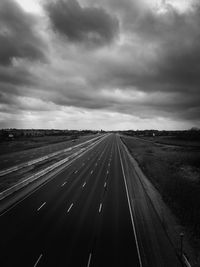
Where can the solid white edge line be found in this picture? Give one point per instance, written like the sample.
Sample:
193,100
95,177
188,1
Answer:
38,260
41,206
70,208
89,260
129,204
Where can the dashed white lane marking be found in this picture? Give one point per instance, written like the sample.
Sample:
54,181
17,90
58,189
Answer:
105,184
100,207
84,184
70,208
63,184
41,206
38,260
75,171
89,260
107,171
92,172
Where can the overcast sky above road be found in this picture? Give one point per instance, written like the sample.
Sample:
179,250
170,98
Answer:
110,64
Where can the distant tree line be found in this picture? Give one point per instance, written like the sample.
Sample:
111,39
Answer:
11,133
192,134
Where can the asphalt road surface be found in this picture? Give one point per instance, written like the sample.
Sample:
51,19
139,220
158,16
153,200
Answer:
80,218
18,157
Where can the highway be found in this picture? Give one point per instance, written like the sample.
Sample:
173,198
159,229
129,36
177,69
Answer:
81,217
8,160
94,212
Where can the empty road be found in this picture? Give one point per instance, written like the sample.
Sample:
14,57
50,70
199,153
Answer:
82,217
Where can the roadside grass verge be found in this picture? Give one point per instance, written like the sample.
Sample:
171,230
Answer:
175,172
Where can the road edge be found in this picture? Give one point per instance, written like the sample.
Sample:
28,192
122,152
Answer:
141,177
61,164
130,210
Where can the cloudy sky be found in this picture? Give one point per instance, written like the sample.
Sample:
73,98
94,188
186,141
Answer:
100,64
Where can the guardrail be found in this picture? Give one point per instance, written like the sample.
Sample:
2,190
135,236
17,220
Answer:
30,179
34,177
29,163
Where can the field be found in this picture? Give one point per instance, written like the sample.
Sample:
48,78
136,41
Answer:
175,172
25,143
173,140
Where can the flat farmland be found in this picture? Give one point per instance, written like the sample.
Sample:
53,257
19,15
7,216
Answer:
173,140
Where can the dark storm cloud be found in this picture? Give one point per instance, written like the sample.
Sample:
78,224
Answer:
177,35
89,25
173,67
176,38
149,69
176,63
18,38
15,76
19,43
